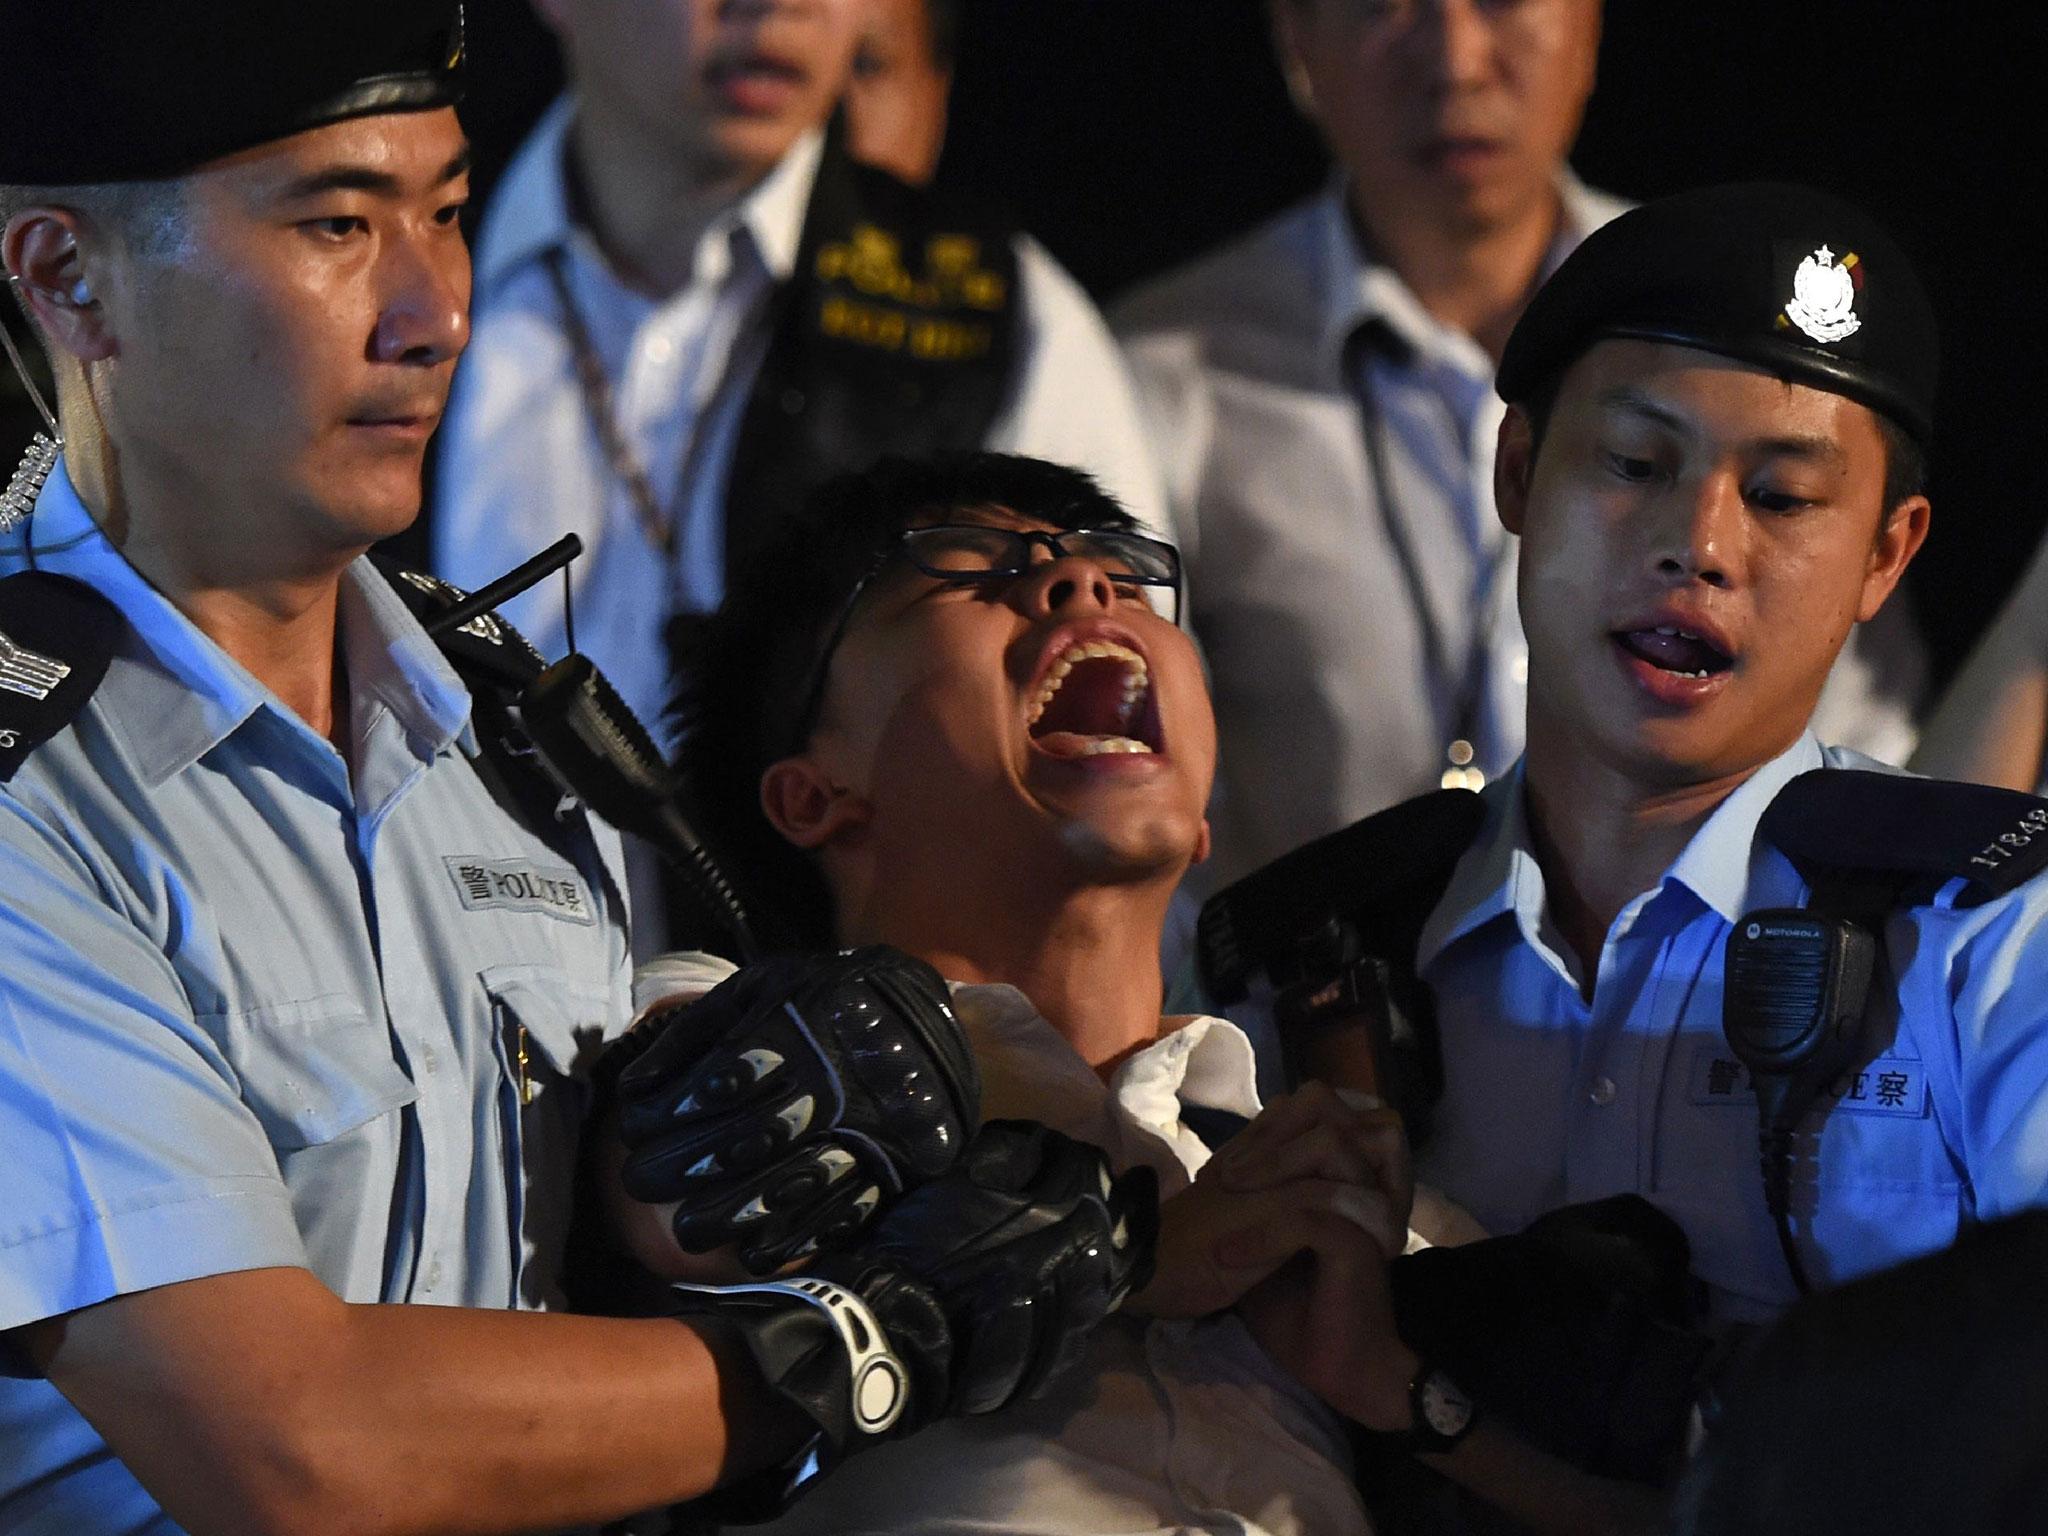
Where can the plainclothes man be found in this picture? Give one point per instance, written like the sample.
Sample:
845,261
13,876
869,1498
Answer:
675,243
1321,393
943,713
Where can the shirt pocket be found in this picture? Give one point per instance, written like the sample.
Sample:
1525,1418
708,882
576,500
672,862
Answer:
1874,1181
548,1030
314,1070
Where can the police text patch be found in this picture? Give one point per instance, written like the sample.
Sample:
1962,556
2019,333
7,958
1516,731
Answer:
1890,1085
519,885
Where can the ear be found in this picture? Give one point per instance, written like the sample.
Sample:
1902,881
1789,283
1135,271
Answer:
1897,543
807,805
44,250
1287,21
1514,466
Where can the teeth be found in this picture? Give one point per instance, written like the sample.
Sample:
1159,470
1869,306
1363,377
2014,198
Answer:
1137,676
1099,745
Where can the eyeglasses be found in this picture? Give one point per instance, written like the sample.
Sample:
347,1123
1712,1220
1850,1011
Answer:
969,554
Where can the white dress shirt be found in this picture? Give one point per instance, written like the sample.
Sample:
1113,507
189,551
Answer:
1163,1428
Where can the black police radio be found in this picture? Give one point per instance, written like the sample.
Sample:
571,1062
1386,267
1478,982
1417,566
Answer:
1797,982
1793,1009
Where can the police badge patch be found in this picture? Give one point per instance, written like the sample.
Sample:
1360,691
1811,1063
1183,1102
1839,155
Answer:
520,885
1823,302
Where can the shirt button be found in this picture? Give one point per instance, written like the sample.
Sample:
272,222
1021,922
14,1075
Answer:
429,1062
1602,1091
433,1275
1520,669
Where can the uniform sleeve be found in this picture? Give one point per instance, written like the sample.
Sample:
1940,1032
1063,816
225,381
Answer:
1999,979
131,1161
1074,403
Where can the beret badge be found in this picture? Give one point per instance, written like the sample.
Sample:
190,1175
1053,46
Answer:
1823,302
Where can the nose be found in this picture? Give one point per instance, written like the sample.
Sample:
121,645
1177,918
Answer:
1457,41
1070,583
423,319
1696,533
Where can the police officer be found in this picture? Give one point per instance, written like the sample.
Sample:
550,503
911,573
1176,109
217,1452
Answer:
1719,412
300,972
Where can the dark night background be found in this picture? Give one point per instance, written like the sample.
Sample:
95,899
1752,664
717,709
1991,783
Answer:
1129,134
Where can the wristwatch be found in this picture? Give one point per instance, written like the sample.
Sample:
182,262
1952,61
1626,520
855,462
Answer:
1444,1412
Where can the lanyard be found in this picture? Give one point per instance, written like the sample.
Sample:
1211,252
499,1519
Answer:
597,406
1462,687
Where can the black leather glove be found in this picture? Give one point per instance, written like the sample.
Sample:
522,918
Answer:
783,1108
972,1291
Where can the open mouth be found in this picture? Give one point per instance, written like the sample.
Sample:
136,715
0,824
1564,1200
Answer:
1674,650
1094,701
755,80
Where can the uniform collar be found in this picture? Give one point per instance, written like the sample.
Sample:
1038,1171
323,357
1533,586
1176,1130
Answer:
182,695
1359,288
529,215
1724,866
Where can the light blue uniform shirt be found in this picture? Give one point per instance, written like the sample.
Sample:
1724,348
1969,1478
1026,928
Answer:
1550,1099
259,1010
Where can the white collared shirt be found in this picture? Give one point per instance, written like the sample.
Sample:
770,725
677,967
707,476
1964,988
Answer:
521,465
1163,1428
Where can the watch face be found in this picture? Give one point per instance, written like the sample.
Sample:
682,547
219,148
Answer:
1444,1408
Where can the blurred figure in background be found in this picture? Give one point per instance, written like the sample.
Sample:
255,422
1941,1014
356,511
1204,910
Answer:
902,77
690,302
1321,397
1992,724
1911,1402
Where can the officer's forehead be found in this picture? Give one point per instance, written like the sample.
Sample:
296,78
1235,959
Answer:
386,154
1693,392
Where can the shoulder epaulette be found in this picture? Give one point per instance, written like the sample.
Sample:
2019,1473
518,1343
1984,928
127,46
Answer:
487,652
57,636
1383,875
1924,832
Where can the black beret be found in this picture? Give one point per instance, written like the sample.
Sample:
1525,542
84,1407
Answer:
1785,277
135,90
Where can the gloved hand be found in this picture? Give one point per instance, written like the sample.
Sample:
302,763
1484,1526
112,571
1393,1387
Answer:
971,1292
783,1108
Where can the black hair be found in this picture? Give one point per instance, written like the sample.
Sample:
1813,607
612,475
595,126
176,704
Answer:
741,671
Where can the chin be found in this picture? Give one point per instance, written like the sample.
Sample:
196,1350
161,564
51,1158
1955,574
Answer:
364,520
1126,854
755,146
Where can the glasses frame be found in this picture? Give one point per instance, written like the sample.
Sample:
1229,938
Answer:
902,545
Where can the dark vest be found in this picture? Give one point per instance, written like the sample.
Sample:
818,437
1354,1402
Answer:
897,332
